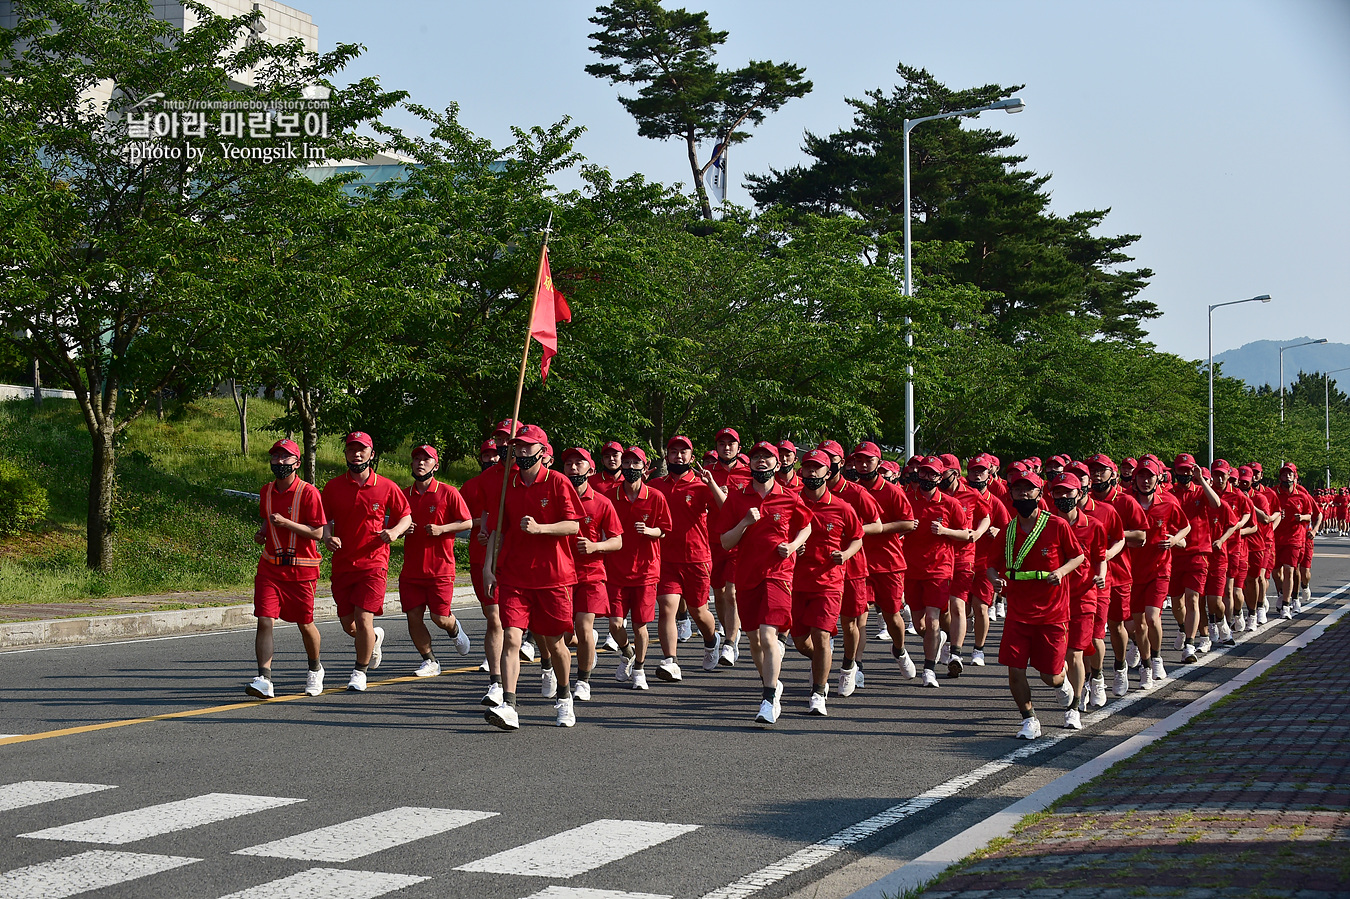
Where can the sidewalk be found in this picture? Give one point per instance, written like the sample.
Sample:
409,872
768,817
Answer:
1251,798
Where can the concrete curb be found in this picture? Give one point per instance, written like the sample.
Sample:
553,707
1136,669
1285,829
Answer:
915,874
104,628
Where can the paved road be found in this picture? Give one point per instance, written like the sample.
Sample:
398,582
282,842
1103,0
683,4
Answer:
668,793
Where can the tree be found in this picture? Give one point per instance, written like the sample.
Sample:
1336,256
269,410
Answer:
671,54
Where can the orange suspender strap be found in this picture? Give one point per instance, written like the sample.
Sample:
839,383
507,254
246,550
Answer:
289,553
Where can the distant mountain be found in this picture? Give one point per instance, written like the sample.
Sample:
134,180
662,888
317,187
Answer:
1258,362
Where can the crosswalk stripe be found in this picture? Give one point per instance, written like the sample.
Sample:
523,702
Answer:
329,883
580,849
92,870
557,892
154,820
36,792
365,836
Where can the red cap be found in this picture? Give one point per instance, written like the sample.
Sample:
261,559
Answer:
489,446
1289,466
285,446
680,440
360,437
710,458
831,447
1204,473
1025,474
727,432
817,457
1035,461
531,434
548,449
503,427
930,463
1150,464
1184,460
866,448
1221,465
1078,468
1101,460
950,462
426,449
743,458
787,446
764,446
612,445
982,462
578,451
636,451
1244,472
1065,479
1130,462
890,465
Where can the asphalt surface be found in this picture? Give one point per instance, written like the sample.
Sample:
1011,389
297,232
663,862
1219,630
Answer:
685,754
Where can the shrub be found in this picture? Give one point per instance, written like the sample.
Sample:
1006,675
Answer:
23,502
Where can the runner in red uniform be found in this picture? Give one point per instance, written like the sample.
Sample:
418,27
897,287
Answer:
600,533
1150,566
787,472
769,524
607,477
729,471
481,493
979,477
1227,527
366,513
635,570
930,558
1107,493
1304,569
963,568
288,570
427,581
1225,481
1087,583
1191,564
1296,513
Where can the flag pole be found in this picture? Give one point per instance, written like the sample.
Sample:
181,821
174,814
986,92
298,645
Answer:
515,409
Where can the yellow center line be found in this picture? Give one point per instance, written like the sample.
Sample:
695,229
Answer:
191,713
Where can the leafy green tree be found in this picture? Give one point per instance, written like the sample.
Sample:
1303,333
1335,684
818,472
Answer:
671,55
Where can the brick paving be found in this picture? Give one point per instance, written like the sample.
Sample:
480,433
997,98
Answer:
1250,799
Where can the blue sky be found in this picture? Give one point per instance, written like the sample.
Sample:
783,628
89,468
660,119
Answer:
1218,130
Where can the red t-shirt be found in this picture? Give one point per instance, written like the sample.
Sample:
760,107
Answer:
482,493
1041,602
834,526
725,478
639,562
927,555
869,512
1241,505
282,542
989,548
1117,574
606,483
782,516
599,524
1093,540
1163,518
690,502
1292,504
1220,520
361,511
789,478
1195,503
886,553
535,561
424,557
976,510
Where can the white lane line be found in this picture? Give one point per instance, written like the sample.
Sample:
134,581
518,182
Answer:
818,852
580,849
154,820
77,874
35,792
329,883
3,736
557,892
365,836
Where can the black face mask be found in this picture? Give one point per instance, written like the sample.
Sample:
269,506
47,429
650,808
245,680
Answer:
763,477
1101,486
927,485
1025,507
1065,504
423,478
834,470
868,477
525,463
358,467
677,468
632,475
607,470
977,485
947,484
813,483
281,470
578,479
484,466
852,476
1182,479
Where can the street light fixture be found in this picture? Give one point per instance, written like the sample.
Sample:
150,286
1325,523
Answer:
1263,298
1292,346
1326,393
1009,105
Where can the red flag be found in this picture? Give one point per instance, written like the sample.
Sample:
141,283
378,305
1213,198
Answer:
549,309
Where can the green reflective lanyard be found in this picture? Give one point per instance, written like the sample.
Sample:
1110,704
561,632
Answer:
1036,529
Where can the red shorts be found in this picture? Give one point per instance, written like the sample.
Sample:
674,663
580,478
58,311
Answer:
1148,594
1083,626
921,593
354,590
485,599
963,579
590,599
819,611
1305,560
1268,558
1287,554
1238,574
1189,571
1216,581
688,580
768,602
1118,604
723,572
547,611
857,597
1040,646
288,600
436,594
888,590
981,588
638,601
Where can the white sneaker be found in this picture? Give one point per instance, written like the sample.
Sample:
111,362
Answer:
1213,633
377,654
907,667
1121,685
502,716
669,670
1132,656
1072,721
624,672
710,654
954,666
1307,594
1180,642
816,705
1188,655
945,651
883,635
1204,644
485,666
357,682
610,643
581,691
1226,635
260,688
1031,729
908,617
494,696
858,680
930,678
1159,672
847,681
1145,678
567,717
777,699
428,668
1097,697
548,684
1239,624
767,716
977,658
1085,695
462,642
639,681
314,682
527,651
944,645
684,629
1260,616
1298,603
1167,603
1066,694
727,657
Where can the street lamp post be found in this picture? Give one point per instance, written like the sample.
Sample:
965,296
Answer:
1263,298
1326,393
1292,346
1011,105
